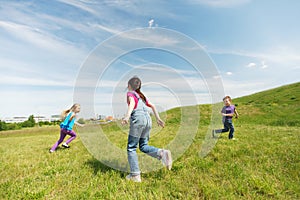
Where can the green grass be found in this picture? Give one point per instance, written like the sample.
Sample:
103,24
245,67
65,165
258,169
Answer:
276,107
263,163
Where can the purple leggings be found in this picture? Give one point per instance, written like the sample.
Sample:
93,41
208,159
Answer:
63,134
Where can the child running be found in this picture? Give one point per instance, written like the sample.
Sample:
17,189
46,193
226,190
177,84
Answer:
66,127
140,126
227,112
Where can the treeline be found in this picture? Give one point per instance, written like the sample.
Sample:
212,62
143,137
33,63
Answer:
30,122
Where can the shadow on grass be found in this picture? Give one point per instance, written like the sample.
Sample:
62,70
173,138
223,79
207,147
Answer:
100,167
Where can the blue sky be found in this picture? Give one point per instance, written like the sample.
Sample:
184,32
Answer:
255,46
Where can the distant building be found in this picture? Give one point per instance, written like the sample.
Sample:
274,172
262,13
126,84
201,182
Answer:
101,117
37,119
109,118
55,118
15,119
41,119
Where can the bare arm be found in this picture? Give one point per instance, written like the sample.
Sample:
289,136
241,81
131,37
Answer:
72,117
78,124
158,120
129,110
236,113
228,115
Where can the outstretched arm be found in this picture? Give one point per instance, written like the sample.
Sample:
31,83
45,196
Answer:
78,124
72,117
158,120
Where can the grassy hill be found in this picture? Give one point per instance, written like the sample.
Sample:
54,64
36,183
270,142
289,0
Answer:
279,106
263,163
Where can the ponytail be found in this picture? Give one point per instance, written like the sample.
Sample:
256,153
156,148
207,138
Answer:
141,95
66,112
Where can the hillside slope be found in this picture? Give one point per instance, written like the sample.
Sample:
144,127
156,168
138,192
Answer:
263,163
278,107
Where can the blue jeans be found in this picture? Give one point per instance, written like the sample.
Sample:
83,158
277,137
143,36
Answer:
228,126
140,126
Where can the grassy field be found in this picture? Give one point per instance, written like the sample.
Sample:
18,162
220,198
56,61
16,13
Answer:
263,163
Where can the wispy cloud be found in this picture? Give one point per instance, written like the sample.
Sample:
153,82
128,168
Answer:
24,81
220,3
37,37
82,5
160,68
105,28
271,55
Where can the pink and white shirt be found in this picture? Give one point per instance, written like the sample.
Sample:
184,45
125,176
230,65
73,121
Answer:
136,97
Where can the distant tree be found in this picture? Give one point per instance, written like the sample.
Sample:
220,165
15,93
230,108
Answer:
3,126
31,119
30,122
13,126
45,123
81,121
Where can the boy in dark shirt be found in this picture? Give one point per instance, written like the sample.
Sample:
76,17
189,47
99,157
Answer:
228,111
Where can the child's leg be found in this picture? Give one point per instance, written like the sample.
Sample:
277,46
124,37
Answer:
143,143
225,129
160,154
132,155
61,139
149,150
231,128
73,136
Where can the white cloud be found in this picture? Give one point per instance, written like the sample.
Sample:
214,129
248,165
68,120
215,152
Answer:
229,73
251,65
263,65
150,23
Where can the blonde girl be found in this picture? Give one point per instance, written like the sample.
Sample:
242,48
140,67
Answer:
69,117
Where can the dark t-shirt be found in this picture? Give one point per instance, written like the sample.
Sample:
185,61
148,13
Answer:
228,110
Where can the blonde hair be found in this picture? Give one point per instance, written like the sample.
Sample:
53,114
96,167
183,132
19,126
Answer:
66,112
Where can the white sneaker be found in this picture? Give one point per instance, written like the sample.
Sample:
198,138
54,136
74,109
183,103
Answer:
65,145
213,133
166,159
51,151
136,178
